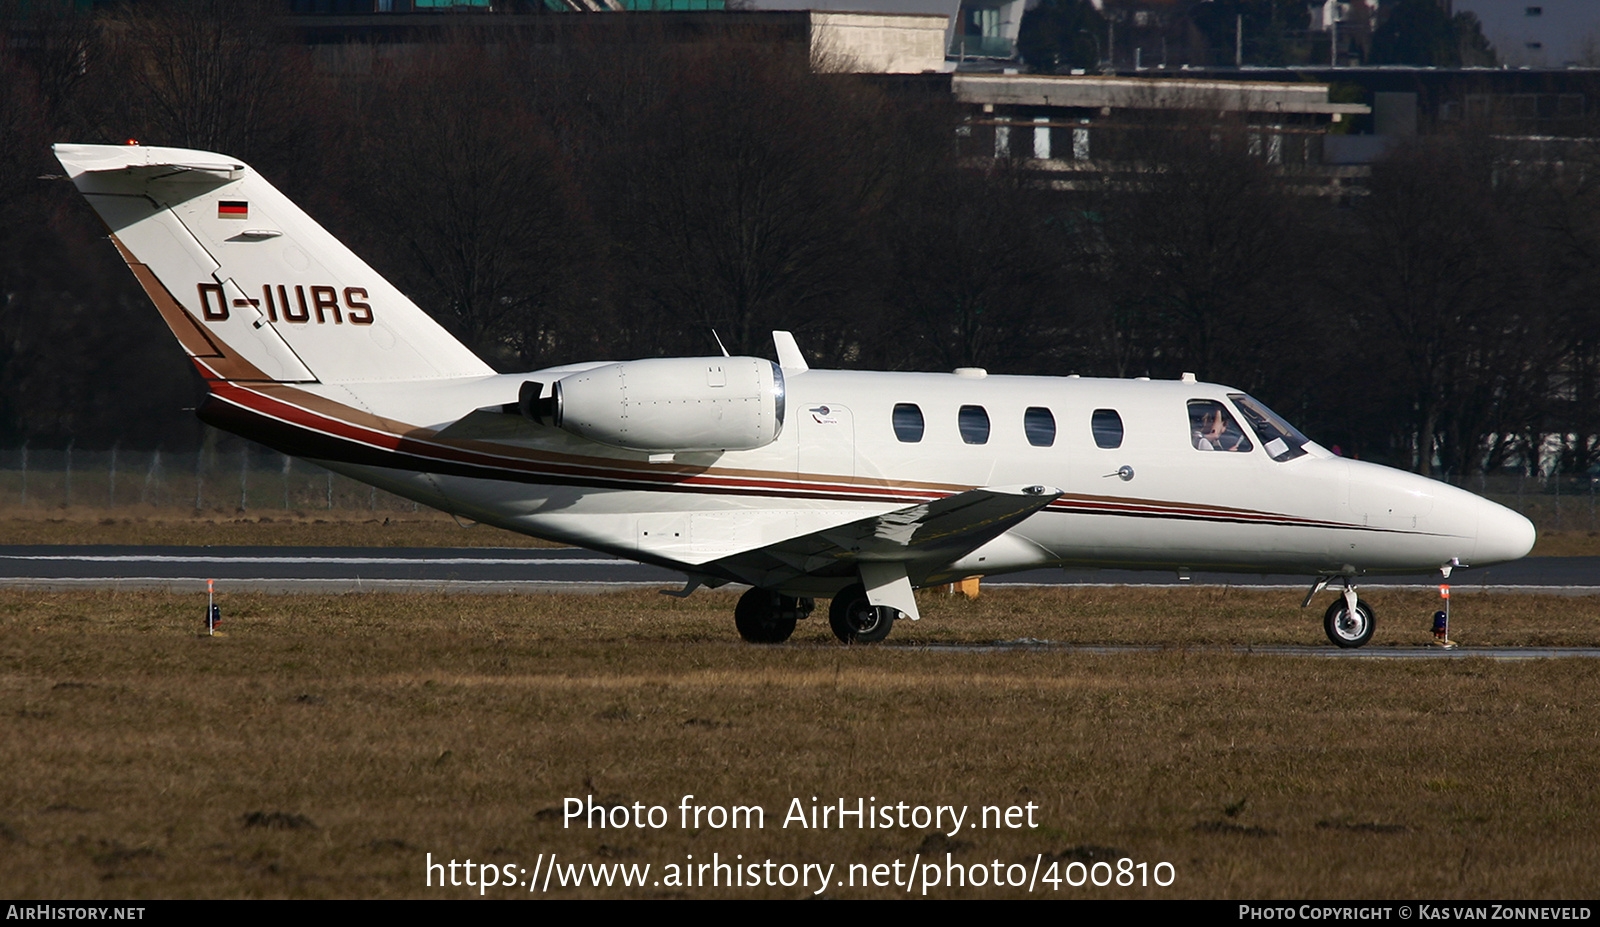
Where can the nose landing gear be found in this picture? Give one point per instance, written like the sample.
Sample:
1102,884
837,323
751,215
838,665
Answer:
1348,627
1348,622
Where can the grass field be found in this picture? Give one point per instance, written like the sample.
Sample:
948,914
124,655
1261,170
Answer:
334,528
329,743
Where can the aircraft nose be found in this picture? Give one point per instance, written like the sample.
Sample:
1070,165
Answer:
1503,535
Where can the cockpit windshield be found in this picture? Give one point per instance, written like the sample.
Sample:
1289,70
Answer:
1280,439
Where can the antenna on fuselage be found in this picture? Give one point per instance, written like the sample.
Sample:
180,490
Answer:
719,344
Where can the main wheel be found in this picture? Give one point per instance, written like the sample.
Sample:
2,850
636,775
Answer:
857,621
1348,629
765,617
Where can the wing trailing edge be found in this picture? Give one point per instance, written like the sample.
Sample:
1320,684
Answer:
891,552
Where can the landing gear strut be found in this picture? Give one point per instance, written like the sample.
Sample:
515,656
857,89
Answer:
1349,622
767,617
857,621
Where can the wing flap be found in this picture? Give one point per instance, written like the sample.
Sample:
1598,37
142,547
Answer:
922,537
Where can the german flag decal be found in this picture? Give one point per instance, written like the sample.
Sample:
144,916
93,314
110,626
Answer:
233,209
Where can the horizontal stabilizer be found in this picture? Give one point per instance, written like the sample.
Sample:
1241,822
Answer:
141,159
924,537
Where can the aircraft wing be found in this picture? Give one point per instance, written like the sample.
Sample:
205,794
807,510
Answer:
921,538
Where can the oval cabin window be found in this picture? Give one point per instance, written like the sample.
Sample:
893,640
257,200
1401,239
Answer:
974,423
1107,426
907,422
1040,426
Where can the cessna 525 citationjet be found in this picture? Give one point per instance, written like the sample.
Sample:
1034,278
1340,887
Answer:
859,486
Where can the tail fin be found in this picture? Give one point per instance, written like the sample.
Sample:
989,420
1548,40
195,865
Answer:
254,289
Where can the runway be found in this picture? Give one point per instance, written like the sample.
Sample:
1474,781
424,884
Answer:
534,570
489,571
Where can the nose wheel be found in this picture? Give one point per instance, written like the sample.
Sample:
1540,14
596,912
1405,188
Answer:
1349,621
1348,627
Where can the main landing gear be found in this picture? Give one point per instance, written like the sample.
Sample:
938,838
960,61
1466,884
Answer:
767,617
857,621
1349,622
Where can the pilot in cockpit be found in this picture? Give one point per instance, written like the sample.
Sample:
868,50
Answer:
1216,431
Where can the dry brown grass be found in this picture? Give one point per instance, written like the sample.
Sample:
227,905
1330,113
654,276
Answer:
330,742
1567,544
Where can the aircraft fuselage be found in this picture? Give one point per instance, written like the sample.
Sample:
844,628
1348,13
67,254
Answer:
1154,501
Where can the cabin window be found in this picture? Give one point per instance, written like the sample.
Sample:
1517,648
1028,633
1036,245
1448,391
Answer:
1107,425
908,422
1212,428
1040,426
974,423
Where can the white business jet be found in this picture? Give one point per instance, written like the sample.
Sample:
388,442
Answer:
801,483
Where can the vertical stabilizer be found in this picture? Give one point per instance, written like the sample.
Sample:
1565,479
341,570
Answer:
253,288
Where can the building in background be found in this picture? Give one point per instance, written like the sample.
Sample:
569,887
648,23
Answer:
1347,26
1540,33
979,34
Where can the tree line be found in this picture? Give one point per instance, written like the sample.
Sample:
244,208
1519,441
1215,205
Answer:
616,195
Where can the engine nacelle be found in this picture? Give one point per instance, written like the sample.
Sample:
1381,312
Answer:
668,404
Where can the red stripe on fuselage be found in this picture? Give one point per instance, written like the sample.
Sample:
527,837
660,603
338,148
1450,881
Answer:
302,417
623,476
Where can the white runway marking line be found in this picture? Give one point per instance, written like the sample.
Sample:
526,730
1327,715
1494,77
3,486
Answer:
1382,584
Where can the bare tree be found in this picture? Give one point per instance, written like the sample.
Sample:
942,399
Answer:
978,260
461,195
208,74
1201,242
1441,292
53,44
1563,203
743,201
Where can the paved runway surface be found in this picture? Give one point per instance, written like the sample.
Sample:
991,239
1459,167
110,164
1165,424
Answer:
501,570
525,570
